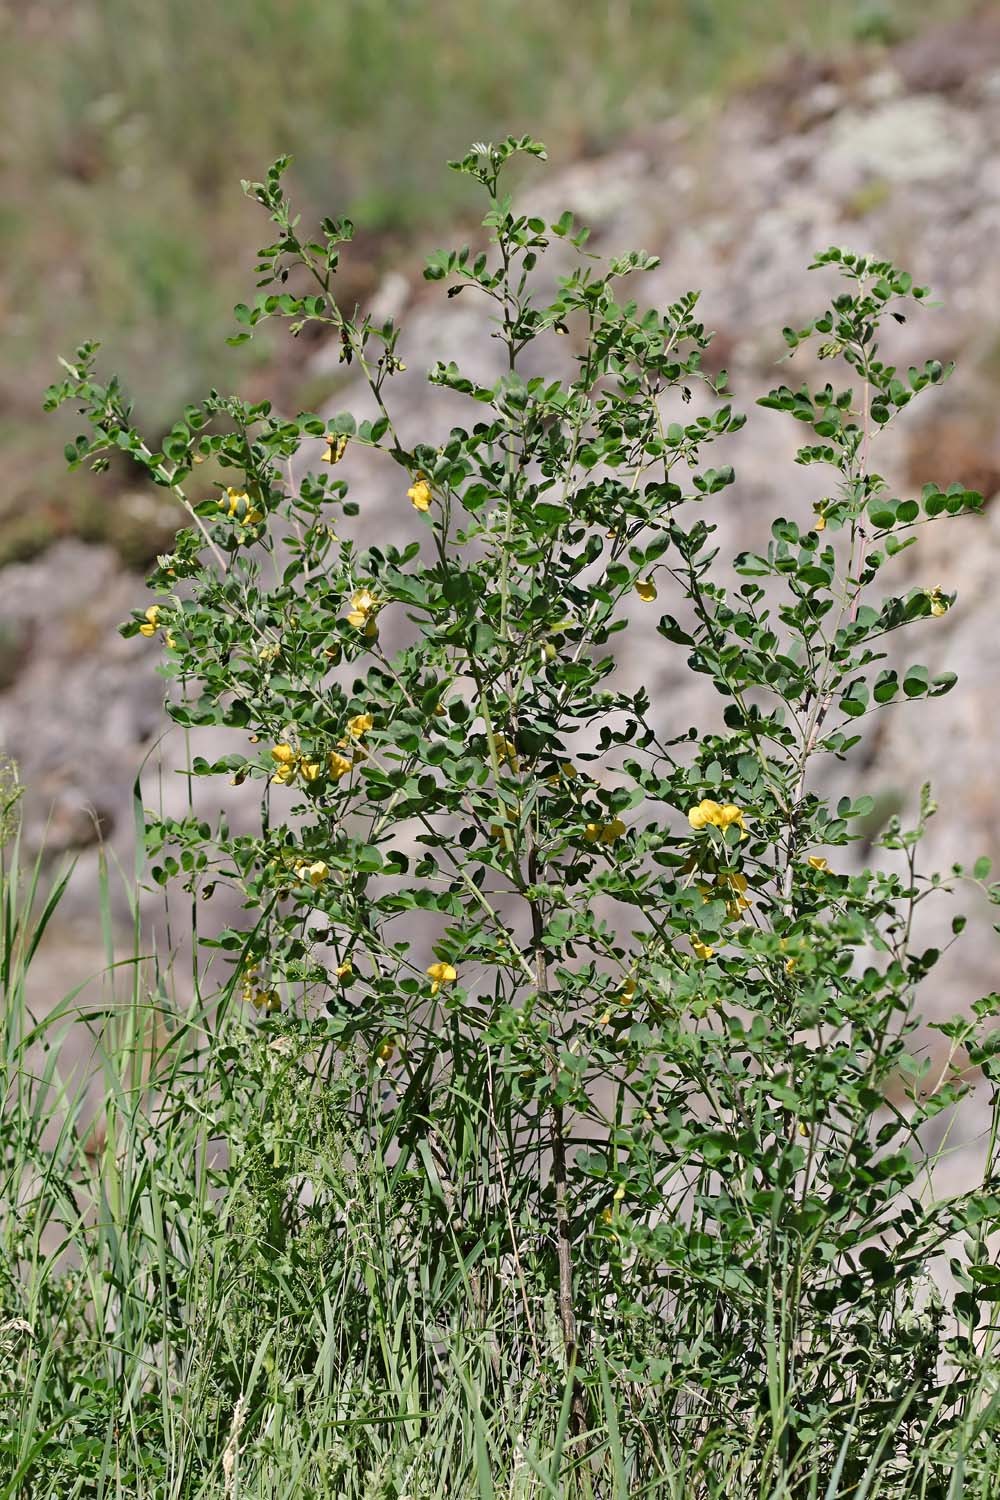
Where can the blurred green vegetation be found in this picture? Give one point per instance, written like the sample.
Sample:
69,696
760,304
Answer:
127,125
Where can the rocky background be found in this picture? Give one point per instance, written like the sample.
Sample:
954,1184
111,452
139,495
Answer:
900,158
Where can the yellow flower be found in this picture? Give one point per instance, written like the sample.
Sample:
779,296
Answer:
287,763
732,816
344,969
336,447
310,770
268,1001
441,973
439,710
315,874
339,764
717,815
702,950
646,589
232,500
817,862
419,495
152,621
705,813
627,993
505,751
607,1216
363,602
385,1052
605,832
359,725
939,604
819,524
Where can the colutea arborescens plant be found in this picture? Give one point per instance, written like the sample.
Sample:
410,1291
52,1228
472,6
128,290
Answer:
603,989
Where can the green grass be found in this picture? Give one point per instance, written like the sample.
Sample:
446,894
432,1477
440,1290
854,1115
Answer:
127,122
215,1286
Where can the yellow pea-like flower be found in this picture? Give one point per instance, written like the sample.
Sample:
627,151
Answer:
441,973
268,1001
338,764
310,770
702,950
817,862
363,602
703,814
419,495
336,447
716,815
152,624
505,751
344,969
646,589
732,816
359,725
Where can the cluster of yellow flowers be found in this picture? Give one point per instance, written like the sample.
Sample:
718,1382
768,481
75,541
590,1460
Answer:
291,763
239,507
267,1001
604,833
731,886
709,814
152,625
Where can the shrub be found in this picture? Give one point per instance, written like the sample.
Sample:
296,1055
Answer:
593,998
